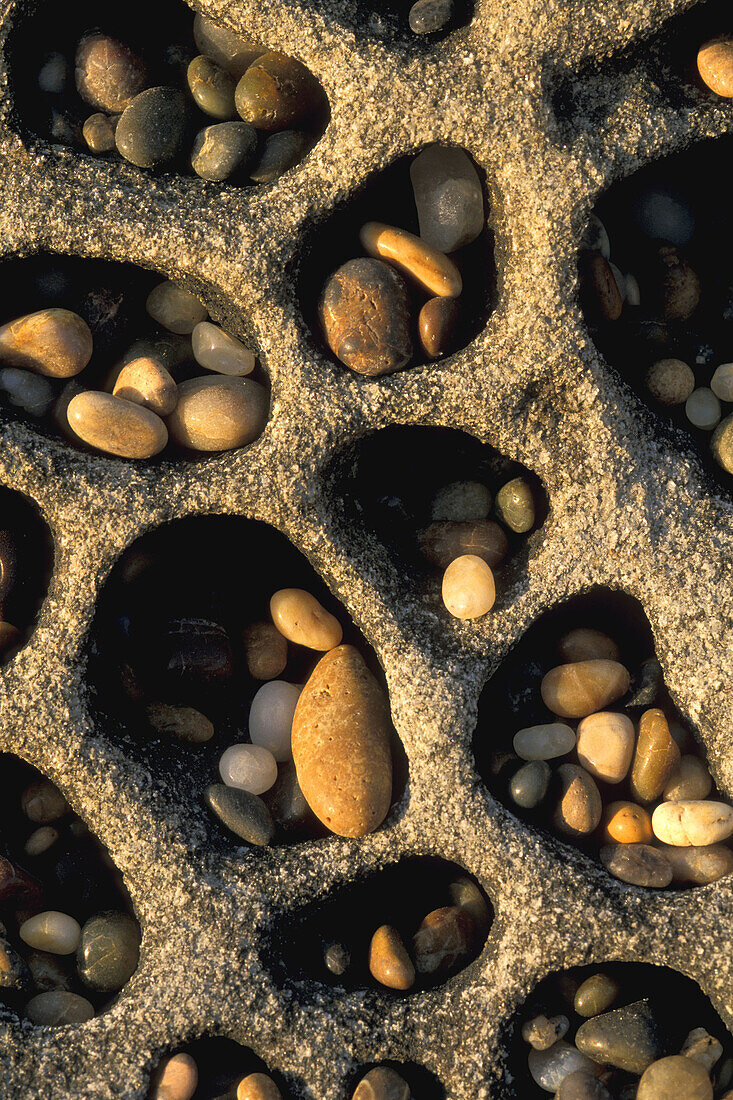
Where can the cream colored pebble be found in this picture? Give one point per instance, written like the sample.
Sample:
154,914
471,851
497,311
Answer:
303,620
606,745
722,382
174,308
41,840
216,350
146,382
115,426
218,413
692,822
702,409
51,931
468,587
175,1079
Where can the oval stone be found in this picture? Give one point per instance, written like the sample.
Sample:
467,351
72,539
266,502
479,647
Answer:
430,16
271,718
544,742
670,381
627,1038
461,500
151,130
302,620
596,995
515,505
443,940
579,807
27,391
175,308
146,382
277,92
243,813
598,289
541,1033
468,587
529,785
721,443
586,644
549,1068
115,426
627,823
341,744
389,963
675,1077
672,289
637,864
606,745
382,1083
41,840
425,265
186,723
43,802
55,932
278,154
109,951
689,781
233,52
448,194
250,767
722,382
365,315
176,1078
695,823
223,150
715,65
444,541
215,350
265,650
99,133
583,687
698,866
59,1007
216,413
655,758
258,1086
702,409
286,801
108,74
437,325
53,342
211,87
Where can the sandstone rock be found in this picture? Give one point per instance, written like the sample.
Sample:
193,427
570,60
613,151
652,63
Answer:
53,342
448,197
216,413
425,265
146,382
115,426
579,808
444,541
302,620
468,587
715,65
389,963
697,823
655,757
583,687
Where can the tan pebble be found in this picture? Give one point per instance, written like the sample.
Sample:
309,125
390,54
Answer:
43,802
302,620
637,864
655,758
670,381
606,745
146,382
699,866
389,962
341,744
52,342
186,723
444,541
55,932
430,269
596,995
382,1083
694,823
116,427
627,823
59,1007
676,1077
586,644
218,413
722,382
583,687
265,650
99,133
41,840
176,1078
545,742
715,65
258,1086
600,295
443,940
437,324
468,587
689,780
541,1033
702,1047
579,807
174,308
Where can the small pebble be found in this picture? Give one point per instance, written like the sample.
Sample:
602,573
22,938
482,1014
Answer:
115,426
444,541
447,189
99,133
52,342
258,1086
598,290
151,130
271,718
41,840
212,88
437,325
215,350
675,1077
365,315
232,51
673,288
53,74
655,758
698,866
174,308
541,1033
461,500
606,745
250,767
702,409
549,1068
583,687
596,995
278,154
109,951
337,959
431,16
595,237
176,1078
721,444
55,932
529,785
221,151
27,391
466,895
582,1086
389,963
579,807
425,265
633,293
627,1038
146,382
443,940
544,742
695,823
468,587
108,74
515,505
702,1047
627,823
647,685
243,813
670,381
43,802
637,864
266,651
218,413
715,65
586,644
301,619
59,1007
722,382
382,1083
186,723
277,93
689,781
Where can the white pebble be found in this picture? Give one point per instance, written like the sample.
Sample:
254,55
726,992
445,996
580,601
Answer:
722,382
53,74
693,822
27,391
249,767
703,409
271,717
468,587
544,742
633,293
57,933
620,281
215,350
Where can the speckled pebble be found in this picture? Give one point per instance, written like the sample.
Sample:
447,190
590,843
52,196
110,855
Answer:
515,505
596,995
670,381
430,16
675,1077
303,620
151,130
59,1007
541,1032
721,444
108,74
218,413
637,864
722,382
579,807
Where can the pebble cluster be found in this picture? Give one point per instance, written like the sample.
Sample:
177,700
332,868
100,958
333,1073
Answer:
601,1037
405,293
212,1070
225,106
611,768
67,939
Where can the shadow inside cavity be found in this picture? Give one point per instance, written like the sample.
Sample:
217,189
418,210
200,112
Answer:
26,566
221,1065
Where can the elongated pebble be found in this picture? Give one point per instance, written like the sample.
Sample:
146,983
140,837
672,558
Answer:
702,409
146,382
468,587
638,864
583,687
233,52
430,269
544,742
217,413
271,717
655,757
249,767
53,342
694,823
55,932
445,540
389,963
596,995
41,840
59,1007
586,644
243,813
186,723
699,866
529,784
303,620
116,426
606,745
215,350
579,807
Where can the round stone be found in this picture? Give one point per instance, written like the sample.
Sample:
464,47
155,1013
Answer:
515,505
606,745
702,409
582,1086
542,1033
27,391
278,154
721,444
271,718
579,807
544,742
595,237
444,541
598,290
596,995
627,823
670,381
389,963
99,133
233,52
186,723
365,315
529,785
628,1038
108,74
655,757
437,324
174,308
301,619
152,129
698,866
549,1068
689,781
693,823
41,840
586,644
212,88
583,687
250,767
448,193
176,1078
431,16
215,350
43,802
116,427
265,650
59,1007
217,413
382,1083
277,93
243,813
443,940
675,1076
109,951
55,932
637,864
146,382
468,587
421,262
715,65
722,382
258,1086
337,959
461,500
53,342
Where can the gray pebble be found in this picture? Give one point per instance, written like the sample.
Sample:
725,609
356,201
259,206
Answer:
151,130
337,959
280,153
646,685
582,1086
221,150
243,813
27,391
430,16
515,505
529,785
109,951
628,1038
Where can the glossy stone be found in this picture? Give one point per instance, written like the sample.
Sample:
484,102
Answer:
266,651
583,687
694,823
108,74
529,785
582,1086
186,723
217,413
365,315
115,426
702,1047
689,781
437,325
637,864
341,744
43,802
598,290
249,767
278,154
146,382
627,823
271,718
109,951
243,813
444,541
215,350
176,1078
233,52
277,93
59,1007
425,265
586,644
721,444
40,841
715,65
461,500
468,587
544,742
673,1077
541,1032
443,940
258,1086
466,895
303,621
596,995
53,342
722,382
579,807
447,189
51,931
670,381
627,1038
212,88
99,133
698,866
382,1083
151,130
389,963
606,745
549,1068
515,505
702,409
175,308
655,757
431,16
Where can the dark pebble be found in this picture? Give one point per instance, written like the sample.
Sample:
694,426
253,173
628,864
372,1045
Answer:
646,685
599,293
14,974
437,326
222,150
337,959
109,951
212,88
529,785
582,1086
245,814
277,93
628,1038
670,288
152,128
280,152
16,886
197,649
286,802
430,16
8,565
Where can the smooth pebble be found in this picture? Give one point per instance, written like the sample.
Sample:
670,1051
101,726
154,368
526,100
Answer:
586,644
529,785
271,718
579,807
115,426
544,742
279,153
51,931
152,129
550,1067
176,1078
627,823
108,74
715,65
421,262
578,689
215,350
670,381
233,52
606,745
627,1038
277,92
637,864
675,1077
43,802
694,822
689,781
596,995
447,189
224,150
212,88
655,757
721,444
218,413
108,951
443,940
54,342
702,409
698,866
382,1083
461,500
702,1047
445,540
258,1086
389,963
468,587
27,391
431,16
303,620
437,326
515,505
265,650
250,767
243,813
59,1007
146,382
186,723
722,382
174,308
541,1032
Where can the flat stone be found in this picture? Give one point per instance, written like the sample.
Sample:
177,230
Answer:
341,744
598,290
447,189
152,129
389,963
365,315
146,382
702,1047
671,289
690,780
27,391
596,995
382,1083
582,1086
702,409
109,951
302,620
694,823
41,840
250,767
265,650
466,895
647,685
59,1007
579,807
176,1078
670,381
595,238
529,785
541,1033
715,65
655,758
443,940
175,308
637,864
195,649
271,717
606,745
722,382
108,74
54,342
258,1086
675,1076
515,505
217,413
627,823
444,541
586,644
431,16
437,326
584,687
698,866
468,587
43,802
243,813
115,426
461,500
549,1068
425,265
55,932
212,88
186,723
215,350
627,1038
721,444
278,154
17,886
545,742
286,801
277,92
233,52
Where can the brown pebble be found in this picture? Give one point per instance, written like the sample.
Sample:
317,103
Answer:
698,866
186,723
596,995
579,807
17,886
715,65
673,288
443,940
583,687
382,1083
99,133
670,381
108,74
175,1078
444,541
675,1077
655,758
638,864
10,637
599,291
430,269
389,962
341,744
54,342
277,92
218,413
265,651
116,427
43,802
41,840
258,1086
437,324
586,644
146,382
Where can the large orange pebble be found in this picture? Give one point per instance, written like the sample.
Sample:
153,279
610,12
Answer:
715,65
626,823
176,1079
52,342
302,620
430,269
341,744
258,1086
583,687
389,962
655,758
